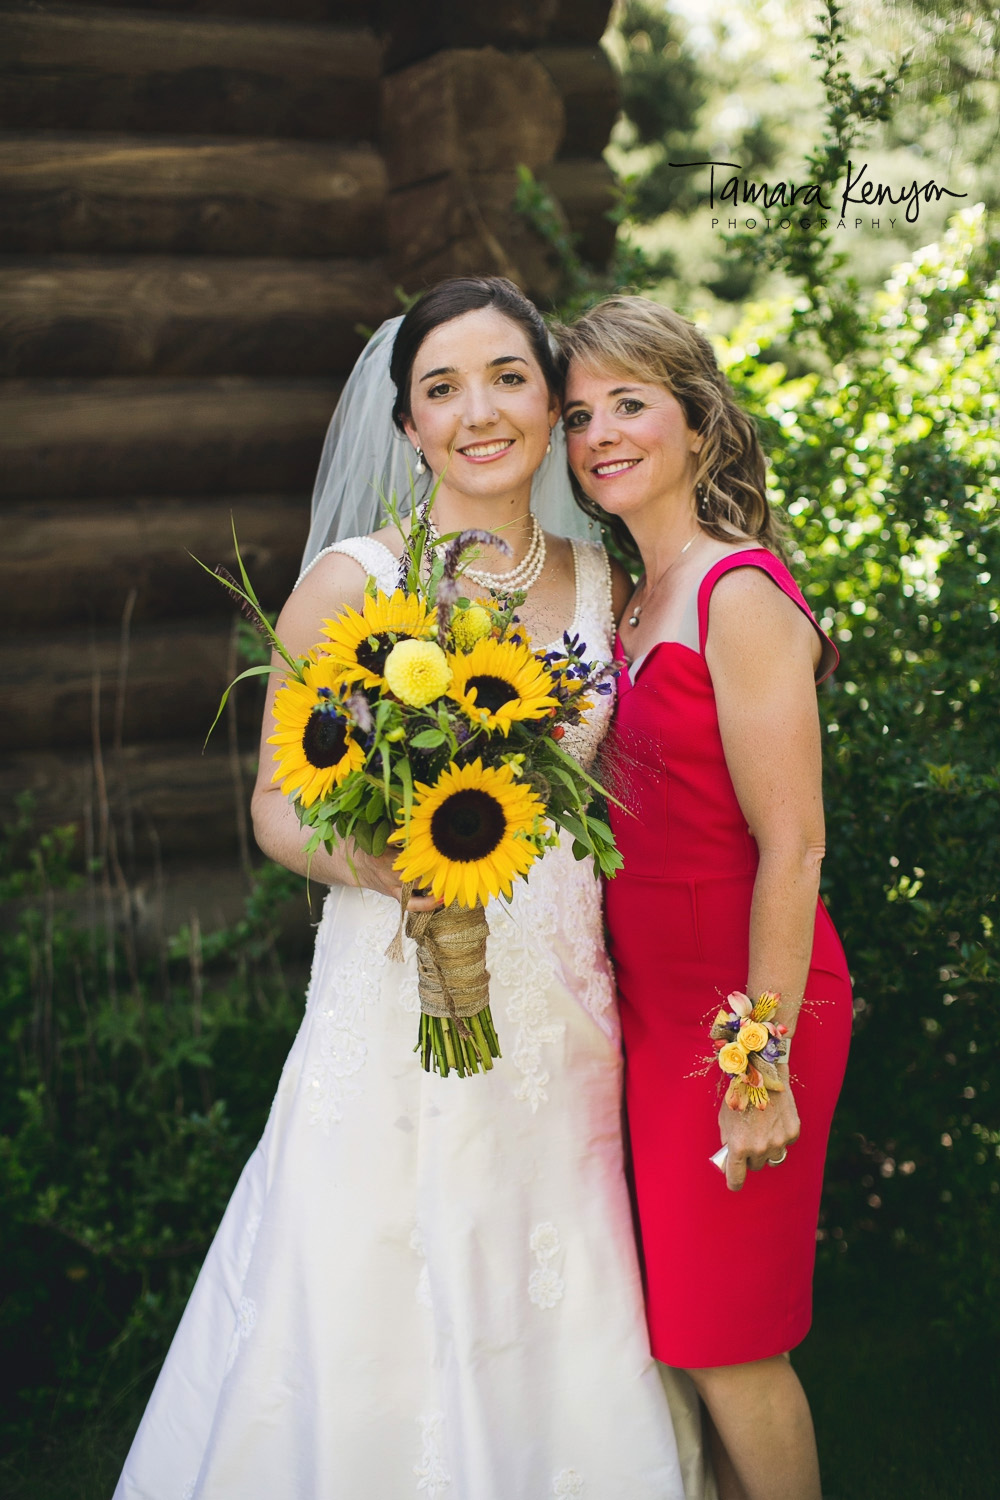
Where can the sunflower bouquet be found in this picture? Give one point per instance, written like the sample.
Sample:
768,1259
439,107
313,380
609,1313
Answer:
425,725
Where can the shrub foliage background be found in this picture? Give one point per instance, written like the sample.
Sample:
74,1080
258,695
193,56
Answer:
886,465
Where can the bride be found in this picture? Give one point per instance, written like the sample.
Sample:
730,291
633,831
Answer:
428,1287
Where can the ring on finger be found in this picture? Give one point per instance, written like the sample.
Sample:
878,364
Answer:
775,1161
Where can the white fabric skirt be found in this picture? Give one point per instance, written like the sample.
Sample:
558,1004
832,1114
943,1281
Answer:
427,1288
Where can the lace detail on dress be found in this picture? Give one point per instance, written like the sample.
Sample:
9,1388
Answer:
246,1322
545,1285
518,955
340,1050
372,555
567,1482
582,919
594,621
422,1290
431,1470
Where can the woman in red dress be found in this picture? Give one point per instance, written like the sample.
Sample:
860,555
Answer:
716,754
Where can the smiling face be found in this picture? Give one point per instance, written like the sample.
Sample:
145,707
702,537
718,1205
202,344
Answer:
628,441
479,405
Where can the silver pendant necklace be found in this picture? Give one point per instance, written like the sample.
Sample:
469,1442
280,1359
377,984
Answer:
634,617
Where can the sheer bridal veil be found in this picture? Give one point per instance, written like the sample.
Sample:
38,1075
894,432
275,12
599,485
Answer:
365,456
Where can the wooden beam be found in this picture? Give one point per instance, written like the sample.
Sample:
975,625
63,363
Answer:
339,12
77,561
168,800
469,111
588,87
68,315
68,438
72,67
417,28
587,191
191,196
174,676
464,222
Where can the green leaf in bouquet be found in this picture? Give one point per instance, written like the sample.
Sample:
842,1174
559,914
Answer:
364,835
406,781
375,808
429,739
261,671
380,838
351,793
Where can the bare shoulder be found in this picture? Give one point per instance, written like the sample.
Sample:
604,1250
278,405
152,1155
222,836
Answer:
333,581
751,619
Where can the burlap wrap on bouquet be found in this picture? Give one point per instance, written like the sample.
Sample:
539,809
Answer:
453,981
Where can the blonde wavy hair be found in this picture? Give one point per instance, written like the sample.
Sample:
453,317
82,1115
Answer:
642,340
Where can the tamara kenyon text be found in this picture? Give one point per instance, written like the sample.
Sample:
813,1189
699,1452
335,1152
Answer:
739,190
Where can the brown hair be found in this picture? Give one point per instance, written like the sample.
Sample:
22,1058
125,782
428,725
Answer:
642,340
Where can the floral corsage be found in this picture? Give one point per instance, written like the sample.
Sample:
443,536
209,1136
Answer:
749,1045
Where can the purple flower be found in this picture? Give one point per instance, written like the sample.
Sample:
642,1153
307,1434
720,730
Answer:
360,711
471,538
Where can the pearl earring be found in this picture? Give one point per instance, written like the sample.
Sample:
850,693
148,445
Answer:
421,467
548,449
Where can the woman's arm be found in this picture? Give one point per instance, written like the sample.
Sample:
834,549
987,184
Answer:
762,653
336,580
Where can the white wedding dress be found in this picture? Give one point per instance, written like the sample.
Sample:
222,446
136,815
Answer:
427,1288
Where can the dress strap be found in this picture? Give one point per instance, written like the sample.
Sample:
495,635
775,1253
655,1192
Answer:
369,553
759,557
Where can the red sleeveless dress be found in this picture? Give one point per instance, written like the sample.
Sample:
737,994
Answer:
729,1275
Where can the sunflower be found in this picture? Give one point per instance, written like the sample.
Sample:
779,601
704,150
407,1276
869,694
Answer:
498,682
470,834
384,620
316,744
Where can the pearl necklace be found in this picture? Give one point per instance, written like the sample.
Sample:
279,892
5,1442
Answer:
516,580
633,618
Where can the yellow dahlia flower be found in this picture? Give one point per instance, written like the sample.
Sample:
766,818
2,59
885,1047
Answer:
470,834
470,625
417,672
315,738
498,682
360,643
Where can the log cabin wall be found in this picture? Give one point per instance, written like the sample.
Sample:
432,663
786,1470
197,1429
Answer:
200,205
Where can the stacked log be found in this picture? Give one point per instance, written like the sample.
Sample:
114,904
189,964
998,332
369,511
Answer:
459,123
204,205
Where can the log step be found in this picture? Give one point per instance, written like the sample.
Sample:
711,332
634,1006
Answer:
70,67
203,196
77,561
142,315
175,676
178,803
67,438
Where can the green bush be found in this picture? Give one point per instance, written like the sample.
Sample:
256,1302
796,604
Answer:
887,466
133,1090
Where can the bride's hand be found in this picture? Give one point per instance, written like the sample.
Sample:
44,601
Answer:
757,1136
375,873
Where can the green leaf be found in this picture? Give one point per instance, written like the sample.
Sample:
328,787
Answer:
428,739
261,671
